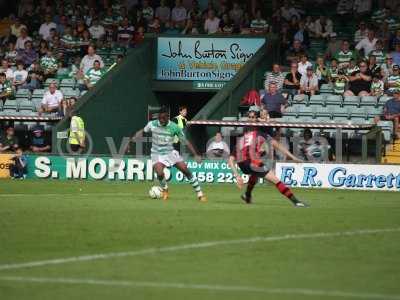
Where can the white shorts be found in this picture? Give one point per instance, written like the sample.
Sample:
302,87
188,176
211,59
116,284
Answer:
167,160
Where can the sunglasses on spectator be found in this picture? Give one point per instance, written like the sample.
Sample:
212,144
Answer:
252,117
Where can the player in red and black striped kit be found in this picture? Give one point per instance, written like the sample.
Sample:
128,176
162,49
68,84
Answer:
250,153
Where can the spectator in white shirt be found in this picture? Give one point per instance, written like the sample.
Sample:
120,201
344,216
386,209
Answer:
211,25
303,64
218,147
361,33
178,15
97,31
20,75
20,44
309,82
367,44
5,68
44,30
89,59
51,100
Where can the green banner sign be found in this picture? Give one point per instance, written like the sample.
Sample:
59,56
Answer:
125,169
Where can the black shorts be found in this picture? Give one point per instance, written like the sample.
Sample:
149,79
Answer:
259,170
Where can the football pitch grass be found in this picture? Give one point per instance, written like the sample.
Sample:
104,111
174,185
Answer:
104,240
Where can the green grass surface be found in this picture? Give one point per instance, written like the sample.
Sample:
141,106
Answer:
42,220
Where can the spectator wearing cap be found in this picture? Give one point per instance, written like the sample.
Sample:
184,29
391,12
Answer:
8,142
303,64
38,143
275,76
360,81
273,101
396,54
361,33
391,112
393,80
309,82
366,45
51,100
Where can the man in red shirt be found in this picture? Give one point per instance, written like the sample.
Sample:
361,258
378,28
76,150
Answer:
250,150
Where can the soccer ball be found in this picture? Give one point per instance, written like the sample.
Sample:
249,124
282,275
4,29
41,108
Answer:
155,192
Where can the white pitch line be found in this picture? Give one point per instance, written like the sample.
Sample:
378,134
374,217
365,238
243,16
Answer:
207,287
59,261
76,193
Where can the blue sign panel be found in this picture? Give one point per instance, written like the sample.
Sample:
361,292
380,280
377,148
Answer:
203,58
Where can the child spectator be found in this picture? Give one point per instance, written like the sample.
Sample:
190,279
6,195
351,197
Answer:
19,167
333,70
377,86
20,75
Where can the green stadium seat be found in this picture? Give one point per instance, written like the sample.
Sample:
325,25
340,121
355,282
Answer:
333,100
9,112
22,93
25,104
387,129
37,102
27,112
38,93
300,99
351,101
10,104
368,101
317,100
70,92
322,112
326,89
68,83
305,111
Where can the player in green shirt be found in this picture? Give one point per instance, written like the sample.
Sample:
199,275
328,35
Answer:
94,74
163,154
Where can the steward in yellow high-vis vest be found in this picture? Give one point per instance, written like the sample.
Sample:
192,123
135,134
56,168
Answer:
180,120
76,133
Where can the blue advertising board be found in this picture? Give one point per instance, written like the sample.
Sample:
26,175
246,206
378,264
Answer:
203,58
